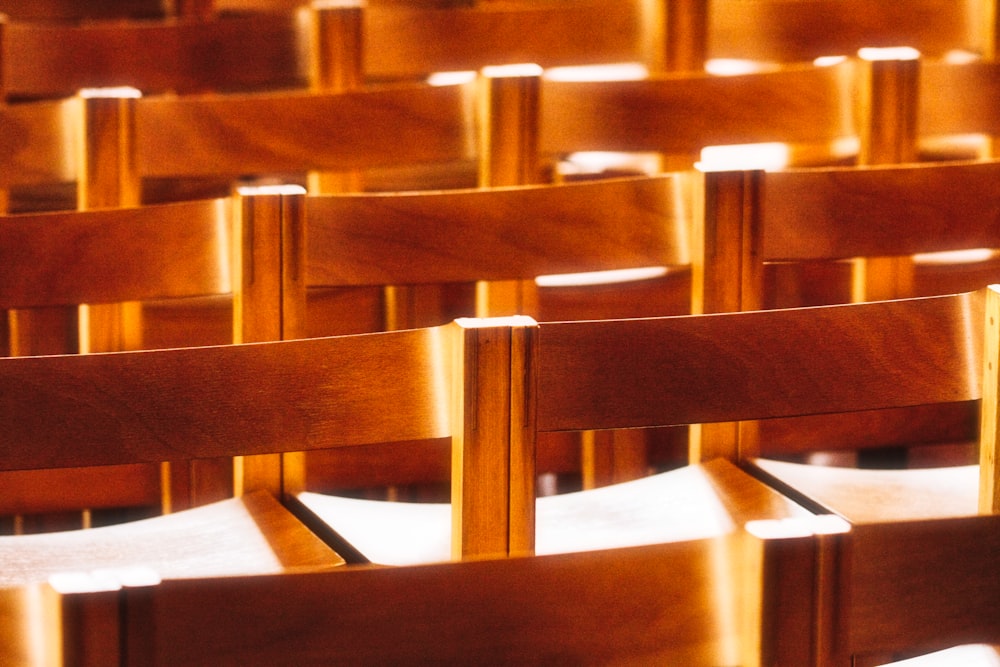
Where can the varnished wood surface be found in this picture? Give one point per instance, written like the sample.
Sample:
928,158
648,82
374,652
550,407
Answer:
496,234
61,10
407,42
153,252
725,367
57,59
294,131
682,114
679,606
693,502
204,402
938,571
36,147
895,210
958,98
250,535
803,31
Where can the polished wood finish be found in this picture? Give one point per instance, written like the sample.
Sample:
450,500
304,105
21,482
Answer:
150,388
684,375
783,33
681,114
765,364
152,252
495,234
249,535
249,51
208,135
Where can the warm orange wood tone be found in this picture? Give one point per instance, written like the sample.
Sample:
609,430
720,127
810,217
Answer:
676,371
681,114
805,30
208,135
106,256
828,214
874,586
495,234
578,607
513,234
55,59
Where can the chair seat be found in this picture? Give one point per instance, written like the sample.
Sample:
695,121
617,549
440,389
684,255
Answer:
970,655
239,536
867,495
674,506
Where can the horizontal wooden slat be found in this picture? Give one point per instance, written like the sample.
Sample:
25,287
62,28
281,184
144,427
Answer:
959,98
940,572
513,610
39,143
153,252
721,367
228,53
675,114
496,234
203,402
899,210
407,42
800,30
207,135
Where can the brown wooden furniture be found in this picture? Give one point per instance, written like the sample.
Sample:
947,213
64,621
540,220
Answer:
333,392
223,249
893,585
420,240
756,218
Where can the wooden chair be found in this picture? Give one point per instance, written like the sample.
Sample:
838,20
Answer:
211,401
260,399
631,373
753,218
807,361
171,252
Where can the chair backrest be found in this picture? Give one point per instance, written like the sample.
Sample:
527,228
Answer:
170,252
793,362
56,59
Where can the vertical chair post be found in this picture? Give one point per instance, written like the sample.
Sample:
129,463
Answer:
493,455
789,597
686,35
888,98
108,178
727,276
989,472
269,288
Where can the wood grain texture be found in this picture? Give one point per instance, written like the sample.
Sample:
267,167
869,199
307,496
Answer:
206,402
240,134
407,42
495,234
940,575
756,365
650,604
802,31
893,210
229,53
153,252
684,113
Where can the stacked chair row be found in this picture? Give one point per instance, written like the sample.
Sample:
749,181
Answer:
270,196
724,569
